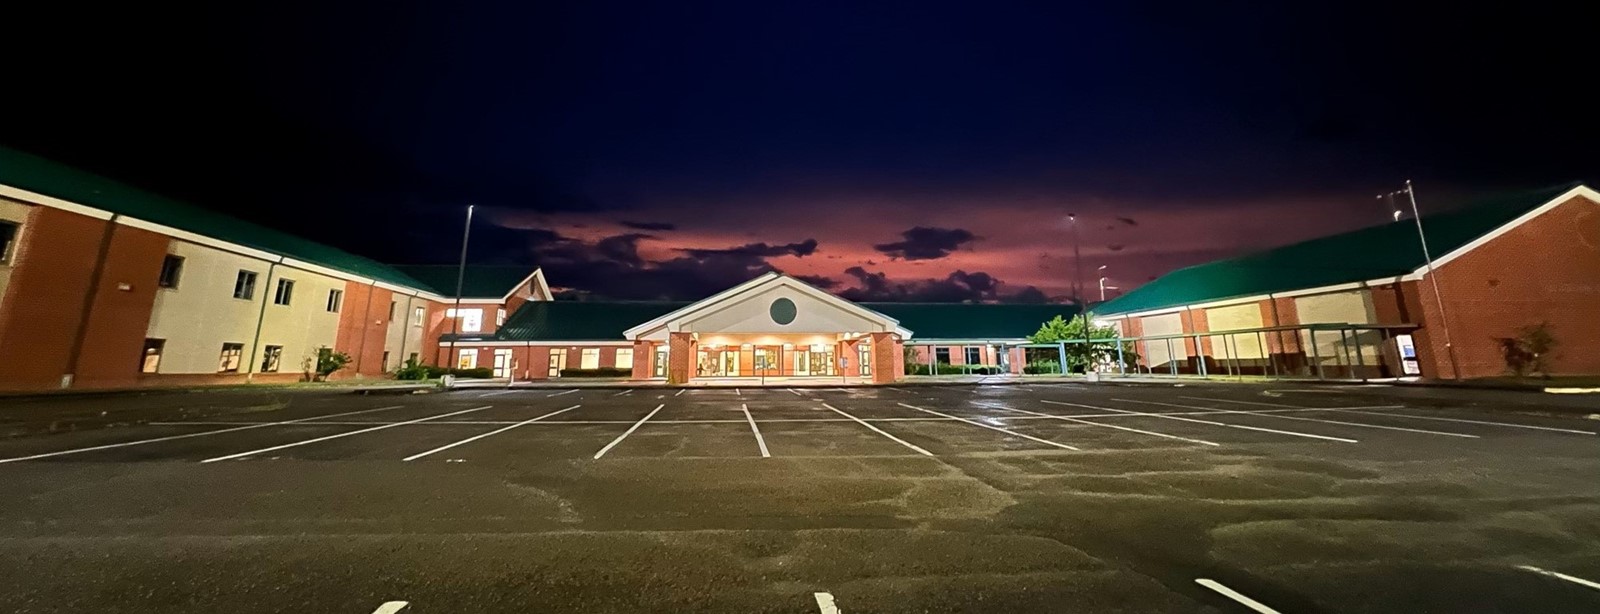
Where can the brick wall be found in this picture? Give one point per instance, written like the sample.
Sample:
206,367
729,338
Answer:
680,358
363,327
1546,270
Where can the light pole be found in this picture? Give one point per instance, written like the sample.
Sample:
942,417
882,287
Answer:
1077,290
461,275
1103,286
1433,279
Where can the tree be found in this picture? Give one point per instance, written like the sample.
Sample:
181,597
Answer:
1101,348
1529,351
329,361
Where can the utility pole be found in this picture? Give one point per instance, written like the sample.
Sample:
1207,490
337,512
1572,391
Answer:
1433,278
1077,290
461,276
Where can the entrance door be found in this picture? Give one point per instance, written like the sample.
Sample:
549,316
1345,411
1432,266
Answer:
558,361
502,363
864,358
802,363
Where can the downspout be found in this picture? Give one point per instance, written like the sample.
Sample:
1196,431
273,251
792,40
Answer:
255,344
88,301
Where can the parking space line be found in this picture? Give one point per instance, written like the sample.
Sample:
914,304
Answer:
1465,421
1198,421
623,392
561,393
878,430
738,392
493,432
792,391
186,436
1109,426
680,391
825,603
328,437
628,432
1562,576
1322,420
993,428
759,441
495,394
390,607
1236,596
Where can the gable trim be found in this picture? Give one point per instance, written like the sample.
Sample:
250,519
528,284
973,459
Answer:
754,284
1581,190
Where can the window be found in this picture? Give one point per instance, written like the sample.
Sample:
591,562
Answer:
471,319
624,358
941,356
467,359
335,300
589,359
500,318
558,361
270,358
391,309
229,363
418,316
171,269
384,366
974,356
244,286
151,361
285,292
413,358
8,237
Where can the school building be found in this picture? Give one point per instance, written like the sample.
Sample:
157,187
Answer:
1362,304
103,285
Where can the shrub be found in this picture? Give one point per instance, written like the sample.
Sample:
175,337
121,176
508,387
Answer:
598,372
1529,351
1038,367
948,369
412,370
329,361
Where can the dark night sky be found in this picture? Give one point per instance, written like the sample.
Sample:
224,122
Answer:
901,151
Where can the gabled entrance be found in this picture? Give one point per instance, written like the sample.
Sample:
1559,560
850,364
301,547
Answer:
773,326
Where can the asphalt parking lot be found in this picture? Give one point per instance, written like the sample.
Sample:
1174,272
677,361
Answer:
1038,498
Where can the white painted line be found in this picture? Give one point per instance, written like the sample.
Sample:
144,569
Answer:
493,432
1109,426
1242,402
207,433
1557,574
1484,422
1197,421
1236,596
623,392
495,394
328,437
737,392
390,607
680,391
893,388
994,428
759,441
561,393
1324,421
825,603
792,391
630,431
879,431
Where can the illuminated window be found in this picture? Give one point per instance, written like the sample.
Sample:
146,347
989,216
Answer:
152,355
624,358
500,318
558,361
467,360
270,356
471,319
229,361
590,359
418,316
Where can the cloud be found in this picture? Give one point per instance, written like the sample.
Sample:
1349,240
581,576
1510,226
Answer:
655,226
926,243
755,250
957,287
622,248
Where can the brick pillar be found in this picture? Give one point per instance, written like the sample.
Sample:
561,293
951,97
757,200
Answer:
847,351
1018,358
886,352
644,358
1284,346
680,358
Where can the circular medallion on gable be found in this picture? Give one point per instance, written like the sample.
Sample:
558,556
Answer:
782,311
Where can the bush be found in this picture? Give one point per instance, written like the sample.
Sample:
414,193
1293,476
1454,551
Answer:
599,372
1529,351
412,370
329,361
477,373
948,369
1039,367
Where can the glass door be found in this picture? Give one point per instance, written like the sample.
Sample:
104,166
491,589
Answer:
802,363
502,363
661,361
864,358
558,361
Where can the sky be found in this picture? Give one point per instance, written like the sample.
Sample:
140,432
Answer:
908,151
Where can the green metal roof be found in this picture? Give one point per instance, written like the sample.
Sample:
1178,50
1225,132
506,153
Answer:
606,321
1389,250
42,176
480,281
